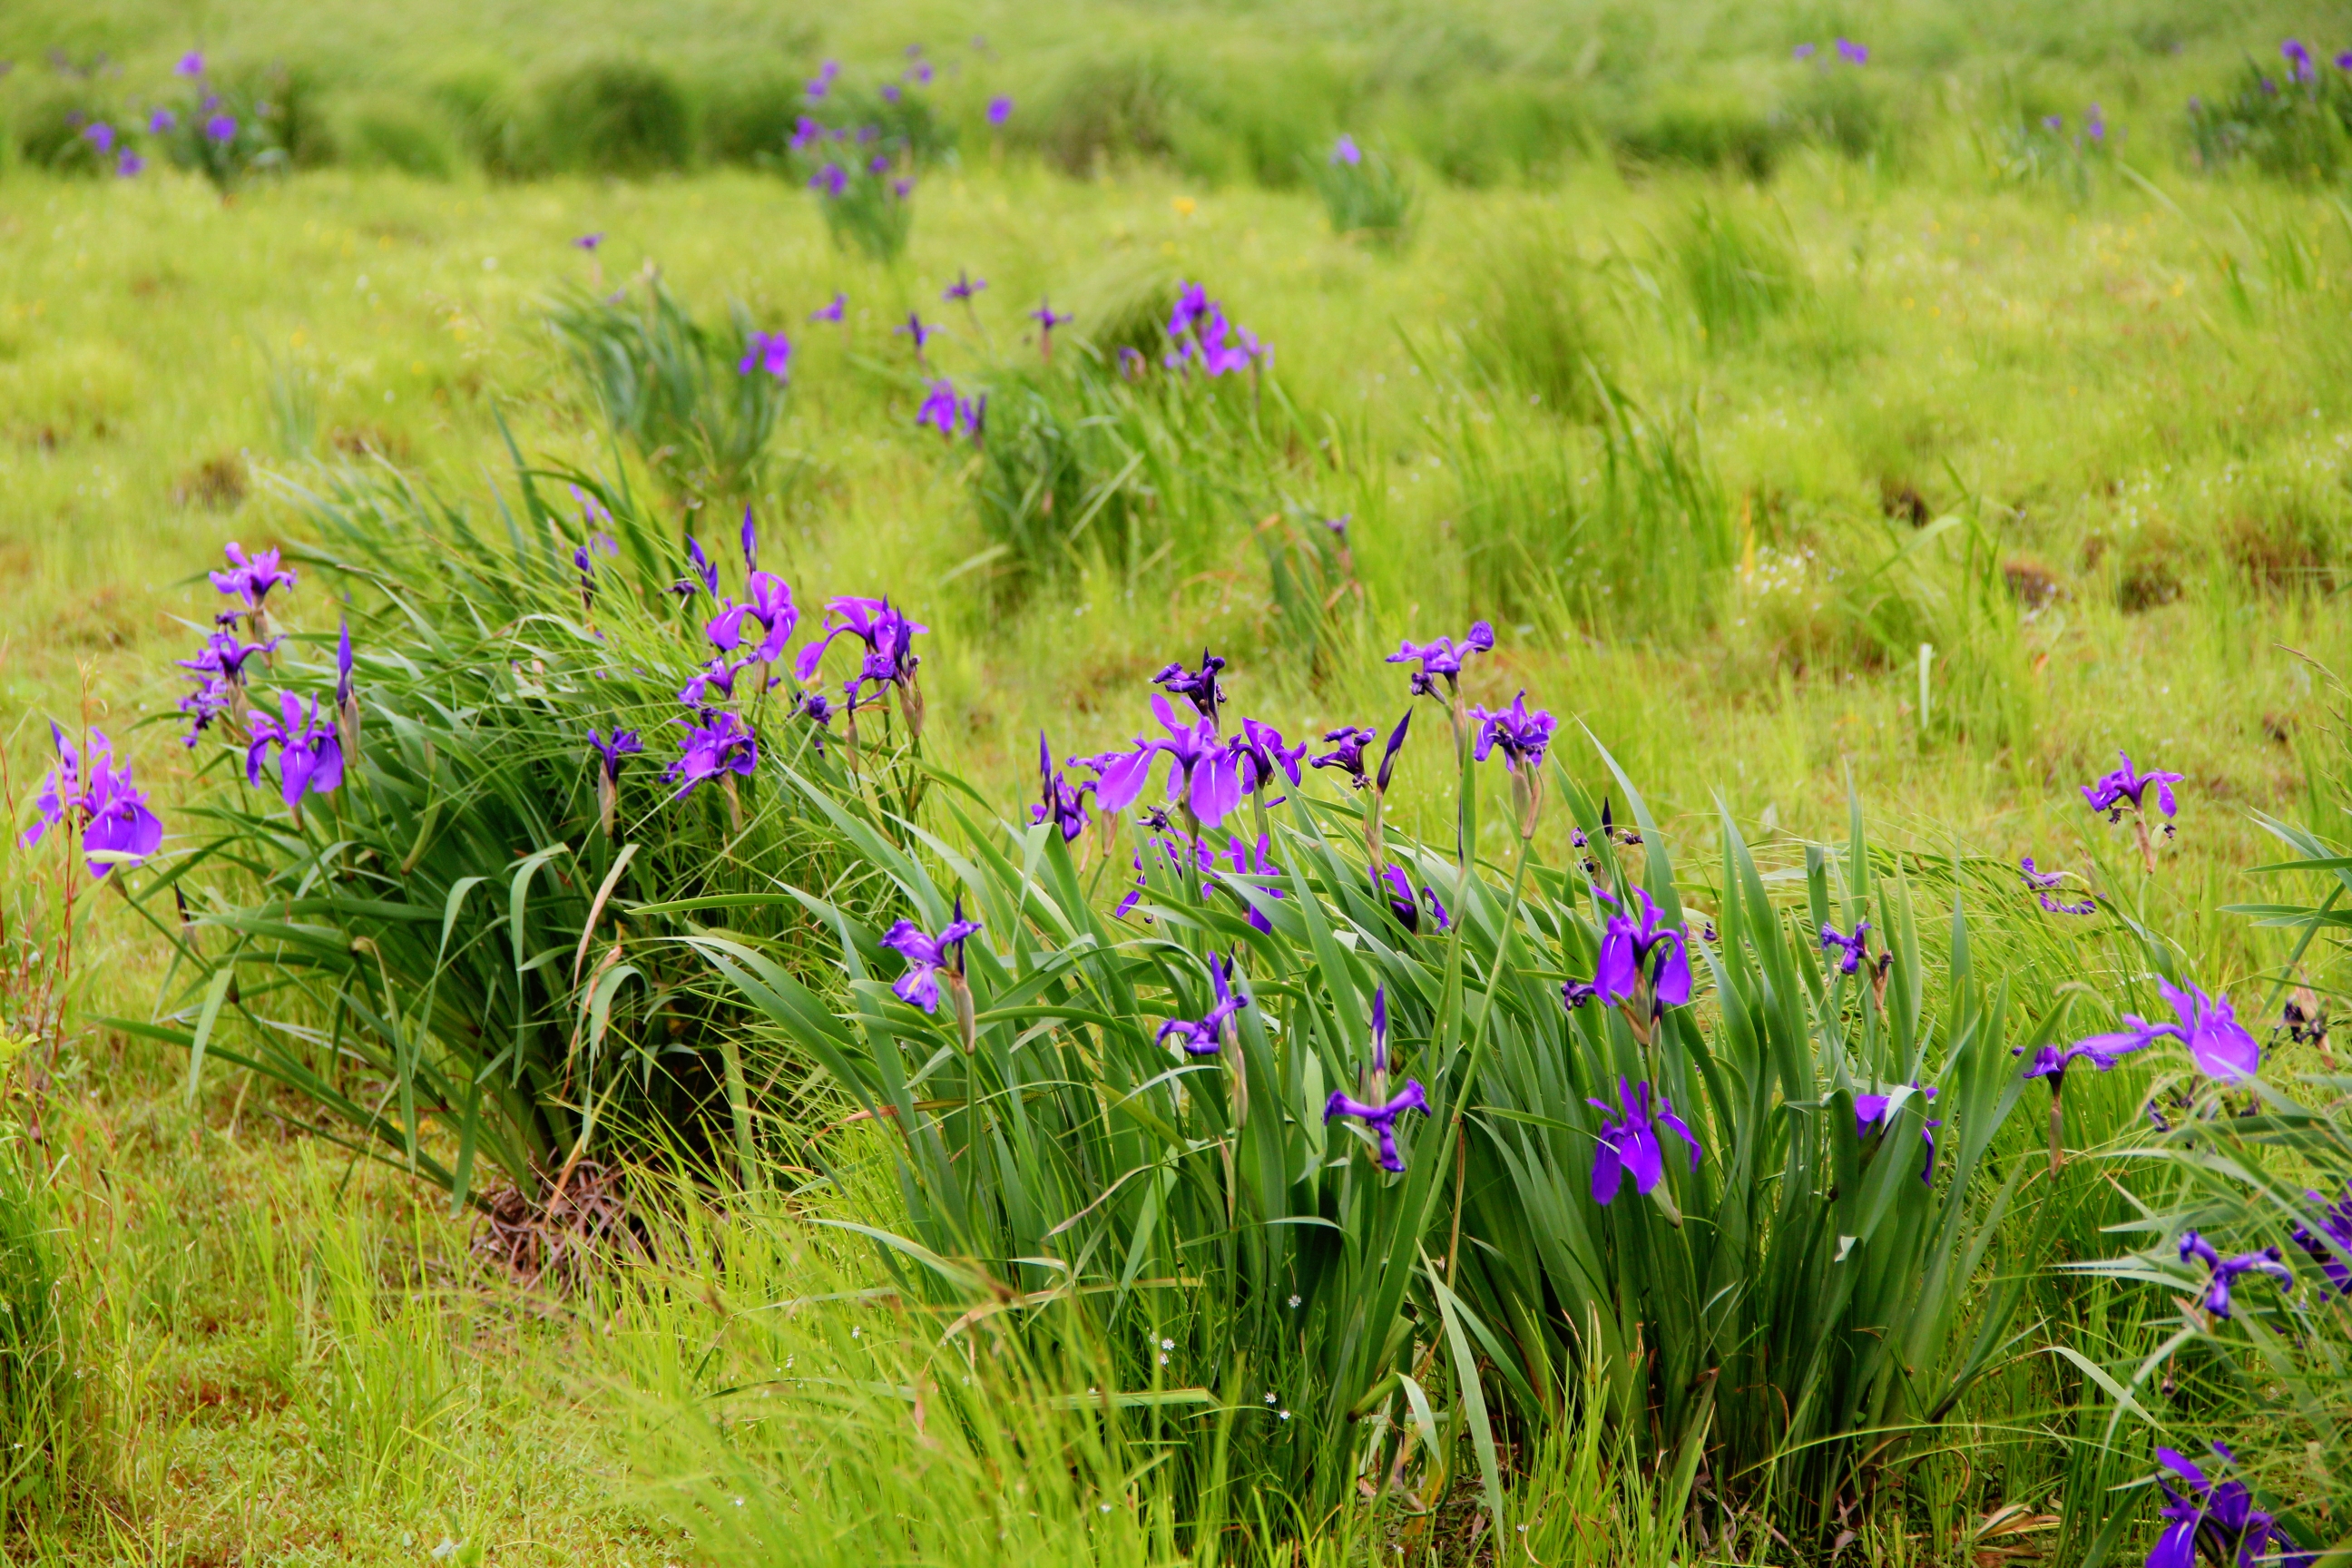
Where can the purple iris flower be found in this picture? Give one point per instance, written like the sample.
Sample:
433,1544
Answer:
2040,879
2344,61
221,128
891,93
770,611
2096,123
309,759
191,64
590,241
623,744
2226,1271
717,746
1856,947
1407,910
964,288
1198,1037
1345,151
1047,318
2126,784
941,407
878,164
919,73
99,135
927,956
1630,1143
2332,1241
161,121
807,134
2220,1518
832,180
1063,803
1351,741
2042,882
904,188
1443,658
1203,773
822,83
1000,109
704,573
207,702
1878,1110
91,796
1379,1111
130,165
831,311
717,676
1260,748
1199,687
1801,52
2051,1062
1852,53
1575,993
1626,949
225,656
915,329
1520,736
2054,123
883,630
250,578
2208,1025
2298,60
771,351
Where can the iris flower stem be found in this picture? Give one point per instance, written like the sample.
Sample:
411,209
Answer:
2057,1129
2146,845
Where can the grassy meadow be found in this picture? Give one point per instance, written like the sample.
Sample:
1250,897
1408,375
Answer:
1807,438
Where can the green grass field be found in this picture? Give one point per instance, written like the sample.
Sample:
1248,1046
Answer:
1930,470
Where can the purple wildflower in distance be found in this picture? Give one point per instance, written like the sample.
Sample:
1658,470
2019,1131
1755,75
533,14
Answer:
100,135
2126,784
2298,60
717,746
191,64
771,351
822,83
1879,1111
2094,125
623,744
1801,52
251,577
2344,61
89,795
1629,1145
941,407
2220,1520
927,956
590,241
1198,1036
129,165
2054,123
1379,1110
1000,109
1627,965
161,121
831,311
1852,53
832,180
1443,658
1345,151
2226,1271
964,288
915,329
222,128
891,93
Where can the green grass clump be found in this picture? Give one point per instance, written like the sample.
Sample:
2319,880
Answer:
617,115
40,1380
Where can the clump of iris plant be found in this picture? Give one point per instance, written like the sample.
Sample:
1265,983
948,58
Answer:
1628,1145
1202,336
889,666
85,797
2217,1519
2222,1273
1203,773
932,960
771,351
2126,787
1379,1109
719,748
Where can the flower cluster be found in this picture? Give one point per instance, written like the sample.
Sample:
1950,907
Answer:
1202,336
2220,1519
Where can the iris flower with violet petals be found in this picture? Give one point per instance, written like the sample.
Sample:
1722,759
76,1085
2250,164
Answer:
2208,1025
703,571
1879,1111
310,757
1378,1113
964,288
1630,1143
1202,772
1521,736
225,656
1351,740
1260,749
1345,151
89,794
1401,903
1064,804
1000,109
770,610
1856,948
1201,687
1443,658
1626,949
870,621
2227,1271
831,312
771,351
251,577
928,957
2332,1243
2125,784
2221,1517
719,745
1198,1036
